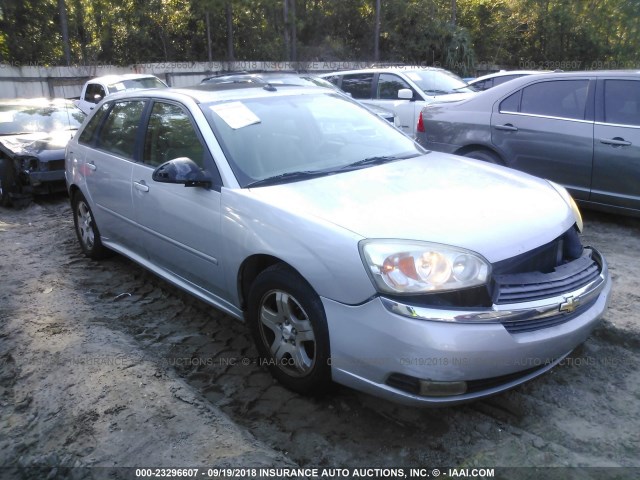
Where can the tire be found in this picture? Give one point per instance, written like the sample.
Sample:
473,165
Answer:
86,229
7,182
485,156
289,327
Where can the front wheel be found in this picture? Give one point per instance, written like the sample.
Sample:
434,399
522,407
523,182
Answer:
86,229
289,327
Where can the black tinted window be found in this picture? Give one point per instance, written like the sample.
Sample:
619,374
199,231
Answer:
622,102
358,85
483,84
118,134
503,78
388,86
171,135
511,103
558,98
87,134
94,93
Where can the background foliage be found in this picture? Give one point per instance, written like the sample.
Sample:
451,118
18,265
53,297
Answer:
460,35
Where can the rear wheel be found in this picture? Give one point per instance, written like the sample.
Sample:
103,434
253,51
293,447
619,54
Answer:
485,156
289,327
86,229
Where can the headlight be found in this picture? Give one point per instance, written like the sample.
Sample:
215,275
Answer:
570,201
398,266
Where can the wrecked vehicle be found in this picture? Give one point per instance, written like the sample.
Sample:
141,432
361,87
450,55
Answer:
33,136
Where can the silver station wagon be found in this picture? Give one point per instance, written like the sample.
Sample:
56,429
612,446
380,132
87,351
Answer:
354,255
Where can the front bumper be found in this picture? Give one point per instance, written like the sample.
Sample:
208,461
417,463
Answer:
36,178
373,345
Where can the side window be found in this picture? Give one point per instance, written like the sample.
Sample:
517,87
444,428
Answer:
118,134
92,90
87,134
503,78
558,98
170,135
484,84
358,85
388,86
622,102
511,103
335,79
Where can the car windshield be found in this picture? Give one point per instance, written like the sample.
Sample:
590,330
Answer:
16,119
438,82
291,137
136,84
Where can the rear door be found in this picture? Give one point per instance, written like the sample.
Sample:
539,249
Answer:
616,164
108,168
180,225
546,129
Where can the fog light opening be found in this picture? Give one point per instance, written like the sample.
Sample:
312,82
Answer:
430,388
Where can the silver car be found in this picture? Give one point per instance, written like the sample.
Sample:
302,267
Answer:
353,255
580,129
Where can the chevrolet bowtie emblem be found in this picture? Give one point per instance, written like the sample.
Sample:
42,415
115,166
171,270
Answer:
569,305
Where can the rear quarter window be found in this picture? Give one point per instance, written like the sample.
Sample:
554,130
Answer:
86,137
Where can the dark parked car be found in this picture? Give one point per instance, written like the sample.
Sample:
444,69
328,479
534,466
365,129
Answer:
580,129
33,136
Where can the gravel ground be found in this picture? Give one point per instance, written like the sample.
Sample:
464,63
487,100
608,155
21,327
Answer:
104,364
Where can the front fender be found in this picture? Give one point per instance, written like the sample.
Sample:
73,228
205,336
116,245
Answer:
325,254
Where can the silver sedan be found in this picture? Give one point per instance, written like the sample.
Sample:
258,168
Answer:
354,255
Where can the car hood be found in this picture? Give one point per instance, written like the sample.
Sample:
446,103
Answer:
35,144
494,211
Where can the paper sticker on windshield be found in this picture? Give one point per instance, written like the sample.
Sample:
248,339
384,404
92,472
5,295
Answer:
236,114
119,86
413,76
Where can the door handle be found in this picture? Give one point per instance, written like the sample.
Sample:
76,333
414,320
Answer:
616,142
506,127
141,186
92,166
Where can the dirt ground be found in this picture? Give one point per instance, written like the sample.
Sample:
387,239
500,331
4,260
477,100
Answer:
104,364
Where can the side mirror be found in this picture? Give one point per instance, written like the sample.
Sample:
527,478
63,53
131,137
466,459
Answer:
405,94
183,171
96,98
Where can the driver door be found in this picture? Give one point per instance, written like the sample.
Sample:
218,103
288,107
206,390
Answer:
180,225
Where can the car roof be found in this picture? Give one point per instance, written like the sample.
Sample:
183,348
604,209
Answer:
503,73
393,68
118,78
205,93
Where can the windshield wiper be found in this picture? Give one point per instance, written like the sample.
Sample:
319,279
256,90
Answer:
379,160
287,177
436,92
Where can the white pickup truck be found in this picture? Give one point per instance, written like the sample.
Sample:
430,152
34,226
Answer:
97,88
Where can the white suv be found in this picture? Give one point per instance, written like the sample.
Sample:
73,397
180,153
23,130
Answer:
98,88
405,90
